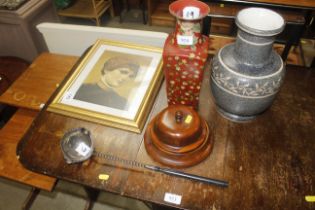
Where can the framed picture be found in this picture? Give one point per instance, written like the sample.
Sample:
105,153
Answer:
115,84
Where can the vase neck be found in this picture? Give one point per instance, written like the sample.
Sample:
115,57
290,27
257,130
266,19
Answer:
252,49
188,32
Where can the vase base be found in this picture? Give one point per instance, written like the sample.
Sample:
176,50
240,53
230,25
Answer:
234,117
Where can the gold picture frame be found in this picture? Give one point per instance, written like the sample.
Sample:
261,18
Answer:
114,84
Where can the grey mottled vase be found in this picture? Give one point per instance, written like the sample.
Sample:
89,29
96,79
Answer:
247,74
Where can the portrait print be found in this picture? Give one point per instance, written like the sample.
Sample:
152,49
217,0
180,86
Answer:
114,81
112,85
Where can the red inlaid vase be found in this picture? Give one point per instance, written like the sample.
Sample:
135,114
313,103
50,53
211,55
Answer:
185,53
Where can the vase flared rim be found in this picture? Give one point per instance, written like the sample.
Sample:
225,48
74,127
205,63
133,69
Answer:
176,9
260,21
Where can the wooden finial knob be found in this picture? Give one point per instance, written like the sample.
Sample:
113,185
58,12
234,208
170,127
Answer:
179,116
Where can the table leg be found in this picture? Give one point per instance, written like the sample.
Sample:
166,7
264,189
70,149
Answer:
92,195
161,207
30,198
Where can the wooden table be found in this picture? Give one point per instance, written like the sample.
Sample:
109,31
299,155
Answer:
305,4
17,122
34,87
268,162
297,15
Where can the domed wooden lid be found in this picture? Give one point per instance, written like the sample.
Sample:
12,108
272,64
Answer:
178,137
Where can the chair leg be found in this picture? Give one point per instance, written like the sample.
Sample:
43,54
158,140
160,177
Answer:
142,5
295,35
120,8
98,22
128,5
206,26
111,10
30,198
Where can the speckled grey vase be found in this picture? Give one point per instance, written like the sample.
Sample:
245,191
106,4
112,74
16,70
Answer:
246,75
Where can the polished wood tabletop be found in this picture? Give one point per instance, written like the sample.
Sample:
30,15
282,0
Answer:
268,162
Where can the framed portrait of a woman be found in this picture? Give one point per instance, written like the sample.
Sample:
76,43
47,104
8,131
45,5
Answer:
114,84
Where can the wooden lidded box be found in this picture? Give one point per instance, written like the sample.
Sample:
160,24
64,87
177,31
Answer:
178,137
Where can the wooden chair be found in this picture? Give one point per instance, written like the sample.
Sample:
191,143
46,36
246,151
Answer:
90,9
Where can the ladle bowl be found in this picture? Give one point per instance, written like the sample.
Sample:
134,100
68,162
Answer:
77,145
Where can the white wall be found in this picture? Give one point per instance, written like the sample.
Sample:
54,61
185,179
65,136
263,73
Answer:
70,39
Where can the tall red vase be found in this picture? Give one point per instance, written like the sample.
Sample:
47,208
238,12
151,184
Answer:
185,53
